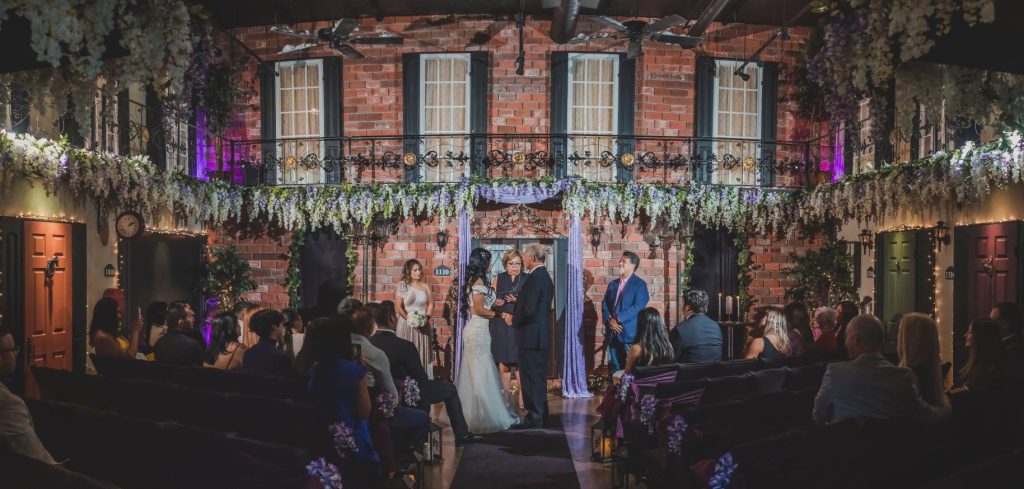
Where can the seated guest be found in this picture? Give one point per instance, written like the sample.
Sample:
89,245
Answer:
294,332
340,383
918,347
179,346
194,332
1008,316
868,387
16,432
697,338
224,352
798,322
155,327
408,424
845,312
405,362
103,331
304,358
825,322
349,305
651,346
985,357
264,357
245,311
773,343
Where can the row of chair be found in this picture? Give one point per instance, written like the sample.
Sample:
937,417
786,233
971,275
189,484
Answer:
21,471
240,382
694,371
283,421
134,453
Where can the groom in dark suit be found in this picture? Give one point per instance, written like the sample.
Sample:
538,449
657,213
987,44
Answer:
532,321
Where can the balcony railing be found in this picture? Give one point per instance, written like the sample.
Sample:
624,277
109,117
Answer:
449,158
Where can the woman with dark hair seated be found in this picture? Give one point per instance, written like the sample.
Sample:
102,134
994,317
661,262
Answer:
984,368
224,352
339,383
264,357
154,327
651,346
304,358
104,331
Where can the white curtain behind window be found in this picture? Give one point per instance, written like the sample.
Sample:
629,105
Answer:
738,122
445,114
593,89
299,120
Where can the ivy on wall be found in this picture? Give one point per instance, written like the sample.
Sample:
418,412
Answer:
293,275
744,268
351,257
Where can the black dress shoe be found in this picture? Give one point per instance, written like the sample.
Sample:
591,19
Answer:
467,438
525,425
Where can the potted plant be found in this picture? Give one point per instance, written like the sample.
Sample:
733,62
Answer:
228,276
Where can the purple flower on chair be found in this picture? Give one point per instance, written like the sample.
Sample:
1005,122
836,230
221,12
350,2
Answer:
410,391
622,390
647,407
387,403
676,430
344,439
724,469
326,473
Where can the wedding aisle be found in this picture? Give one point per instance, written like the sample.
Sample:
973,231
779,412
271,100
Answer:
554,457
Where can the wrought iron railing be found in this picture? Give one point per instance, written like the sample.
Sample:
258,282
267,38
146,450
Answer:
448,158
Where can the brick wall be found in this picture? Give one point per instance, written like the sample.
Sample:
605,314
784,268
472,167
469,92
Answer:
518,104
268,259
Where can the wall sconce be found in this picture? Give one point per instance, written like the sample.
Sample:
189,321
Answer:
442,239
867,240
941,234
595,236
871,272
108,271
654,241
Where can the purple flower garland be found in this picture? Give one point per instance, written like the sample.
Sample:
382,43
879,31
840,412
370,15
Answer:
647,407
410,392
324,472
676,430
625,385
387,403
344,439
724,469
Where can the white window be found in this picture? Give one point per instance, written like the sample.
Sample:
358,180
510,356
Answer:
444,116
864,156
593,115
737,123
300,120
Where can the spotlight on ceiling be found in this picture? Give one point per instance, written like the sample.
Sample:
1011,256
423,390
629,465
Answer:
742,74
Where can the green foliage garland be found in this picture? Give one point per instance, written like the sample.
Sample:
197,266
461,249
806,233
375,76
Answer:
744,268
351,258
822,277
228,276
293,275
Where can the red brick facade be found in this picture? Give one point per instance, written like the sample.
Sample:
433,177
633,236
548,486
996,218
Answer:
372,106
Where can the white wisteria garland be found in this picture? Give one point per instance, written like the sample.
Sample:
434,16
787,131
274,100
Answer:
959,178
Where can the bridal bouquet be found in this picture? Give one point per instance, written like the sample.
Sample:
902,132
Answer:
419,321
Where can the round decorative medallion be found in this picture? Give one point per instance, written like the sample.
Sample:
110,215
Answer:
145,134
289,162
409,159
628,160
748,162
518,157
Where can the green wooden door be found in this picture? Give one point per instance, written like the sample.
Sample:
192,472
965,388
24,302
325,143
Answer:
897,263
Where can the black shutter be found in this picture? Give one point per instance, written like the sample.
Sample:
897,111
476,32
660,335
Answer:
156,145
267,173
559,112
478,81
627,108
331,86
704,92
411,111
769,121
19,110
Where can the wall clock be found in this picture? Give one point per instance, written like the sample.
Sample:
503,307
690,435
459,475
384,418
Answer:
129,225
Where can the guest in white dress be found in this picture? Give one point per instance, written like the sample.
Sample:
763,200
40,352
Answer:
484,402
413,294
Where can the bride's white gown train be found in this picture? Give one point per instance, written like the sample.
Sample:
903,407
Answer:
484,402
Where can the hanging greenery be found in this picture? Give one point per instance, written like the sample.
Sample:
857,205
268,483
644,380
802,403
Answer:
863,42
228,276
155,37
293,276
744,269
822,277
351,258
959,178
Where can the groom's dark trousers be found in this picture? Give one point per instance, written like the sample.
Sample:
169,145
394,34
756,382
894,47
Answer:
532,321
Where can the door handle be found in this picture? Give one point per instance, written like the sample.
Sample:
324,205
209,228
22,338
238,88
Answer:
30,352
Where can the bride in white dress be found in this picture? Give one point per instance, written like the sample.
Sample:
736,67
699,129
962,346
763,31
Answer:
479,383
412,294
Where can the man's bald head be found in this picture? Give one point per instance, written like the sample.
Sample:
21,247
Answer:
864,334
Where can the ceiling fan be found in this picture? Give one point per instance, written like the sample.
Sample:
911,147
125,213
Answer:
636,31
340,37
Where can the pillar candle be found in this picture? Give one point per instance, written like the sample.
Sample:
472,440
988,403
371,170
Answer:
728,305
719,306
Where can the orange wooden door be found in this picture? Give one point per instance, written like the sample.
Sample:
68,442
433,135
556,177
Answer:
47,297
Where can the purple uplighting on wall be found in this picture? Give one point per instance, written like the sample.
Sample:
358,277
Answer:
202,148
838,163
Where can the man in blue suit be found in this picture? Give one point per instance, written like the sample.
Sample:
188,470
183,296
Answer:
698,338
625,298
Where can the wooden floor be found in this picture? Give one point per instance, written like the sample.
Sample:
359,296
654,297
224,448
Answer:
577,416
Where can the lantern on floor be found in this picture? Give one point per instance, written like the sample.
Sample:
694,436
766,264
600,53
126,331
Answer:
602,442
435,441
